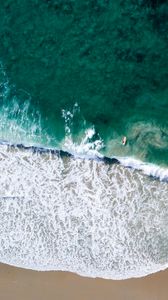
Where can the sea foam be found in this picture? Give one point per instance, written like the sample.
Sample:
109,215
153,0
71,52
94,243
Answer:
147,168
84,216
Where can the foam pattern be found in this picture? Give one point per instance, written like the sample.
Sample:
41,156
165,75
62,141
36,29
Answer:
80,215
147,168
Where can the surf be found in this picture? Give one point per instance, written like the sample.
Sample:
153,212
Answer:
85,216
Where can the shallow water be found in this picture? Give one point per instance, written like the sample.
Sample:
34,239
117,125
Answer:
84,216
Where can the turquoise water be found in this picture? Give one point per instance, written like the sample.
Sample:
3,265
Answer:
105,62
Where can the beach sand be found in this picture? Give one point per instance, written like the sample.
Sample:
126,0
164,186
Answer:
16,284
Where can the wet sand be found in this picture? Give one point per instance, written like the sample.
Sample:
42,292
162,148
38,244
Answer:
18,284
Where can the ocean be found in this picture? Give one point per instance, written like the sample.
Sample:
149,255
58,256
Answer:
75,78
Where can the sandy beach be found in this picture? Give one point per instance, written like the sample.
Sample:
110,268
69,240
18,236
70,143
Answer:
16,283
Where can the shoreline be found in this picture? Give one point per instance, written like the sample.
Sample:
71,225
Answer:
149,169
16,283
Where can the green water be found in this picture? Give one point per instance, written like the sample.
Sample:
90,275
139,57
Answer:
110,57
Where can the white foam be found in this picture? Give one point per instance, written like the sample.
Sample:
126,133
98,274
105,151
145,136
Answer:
87,145
19,123
147,168
82,216
84,148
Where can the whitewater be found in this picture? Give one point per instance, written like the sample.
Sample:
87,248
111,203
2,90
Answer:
80,215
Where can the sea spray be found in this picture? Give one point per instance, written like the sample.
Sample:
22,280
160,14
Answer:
87,143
